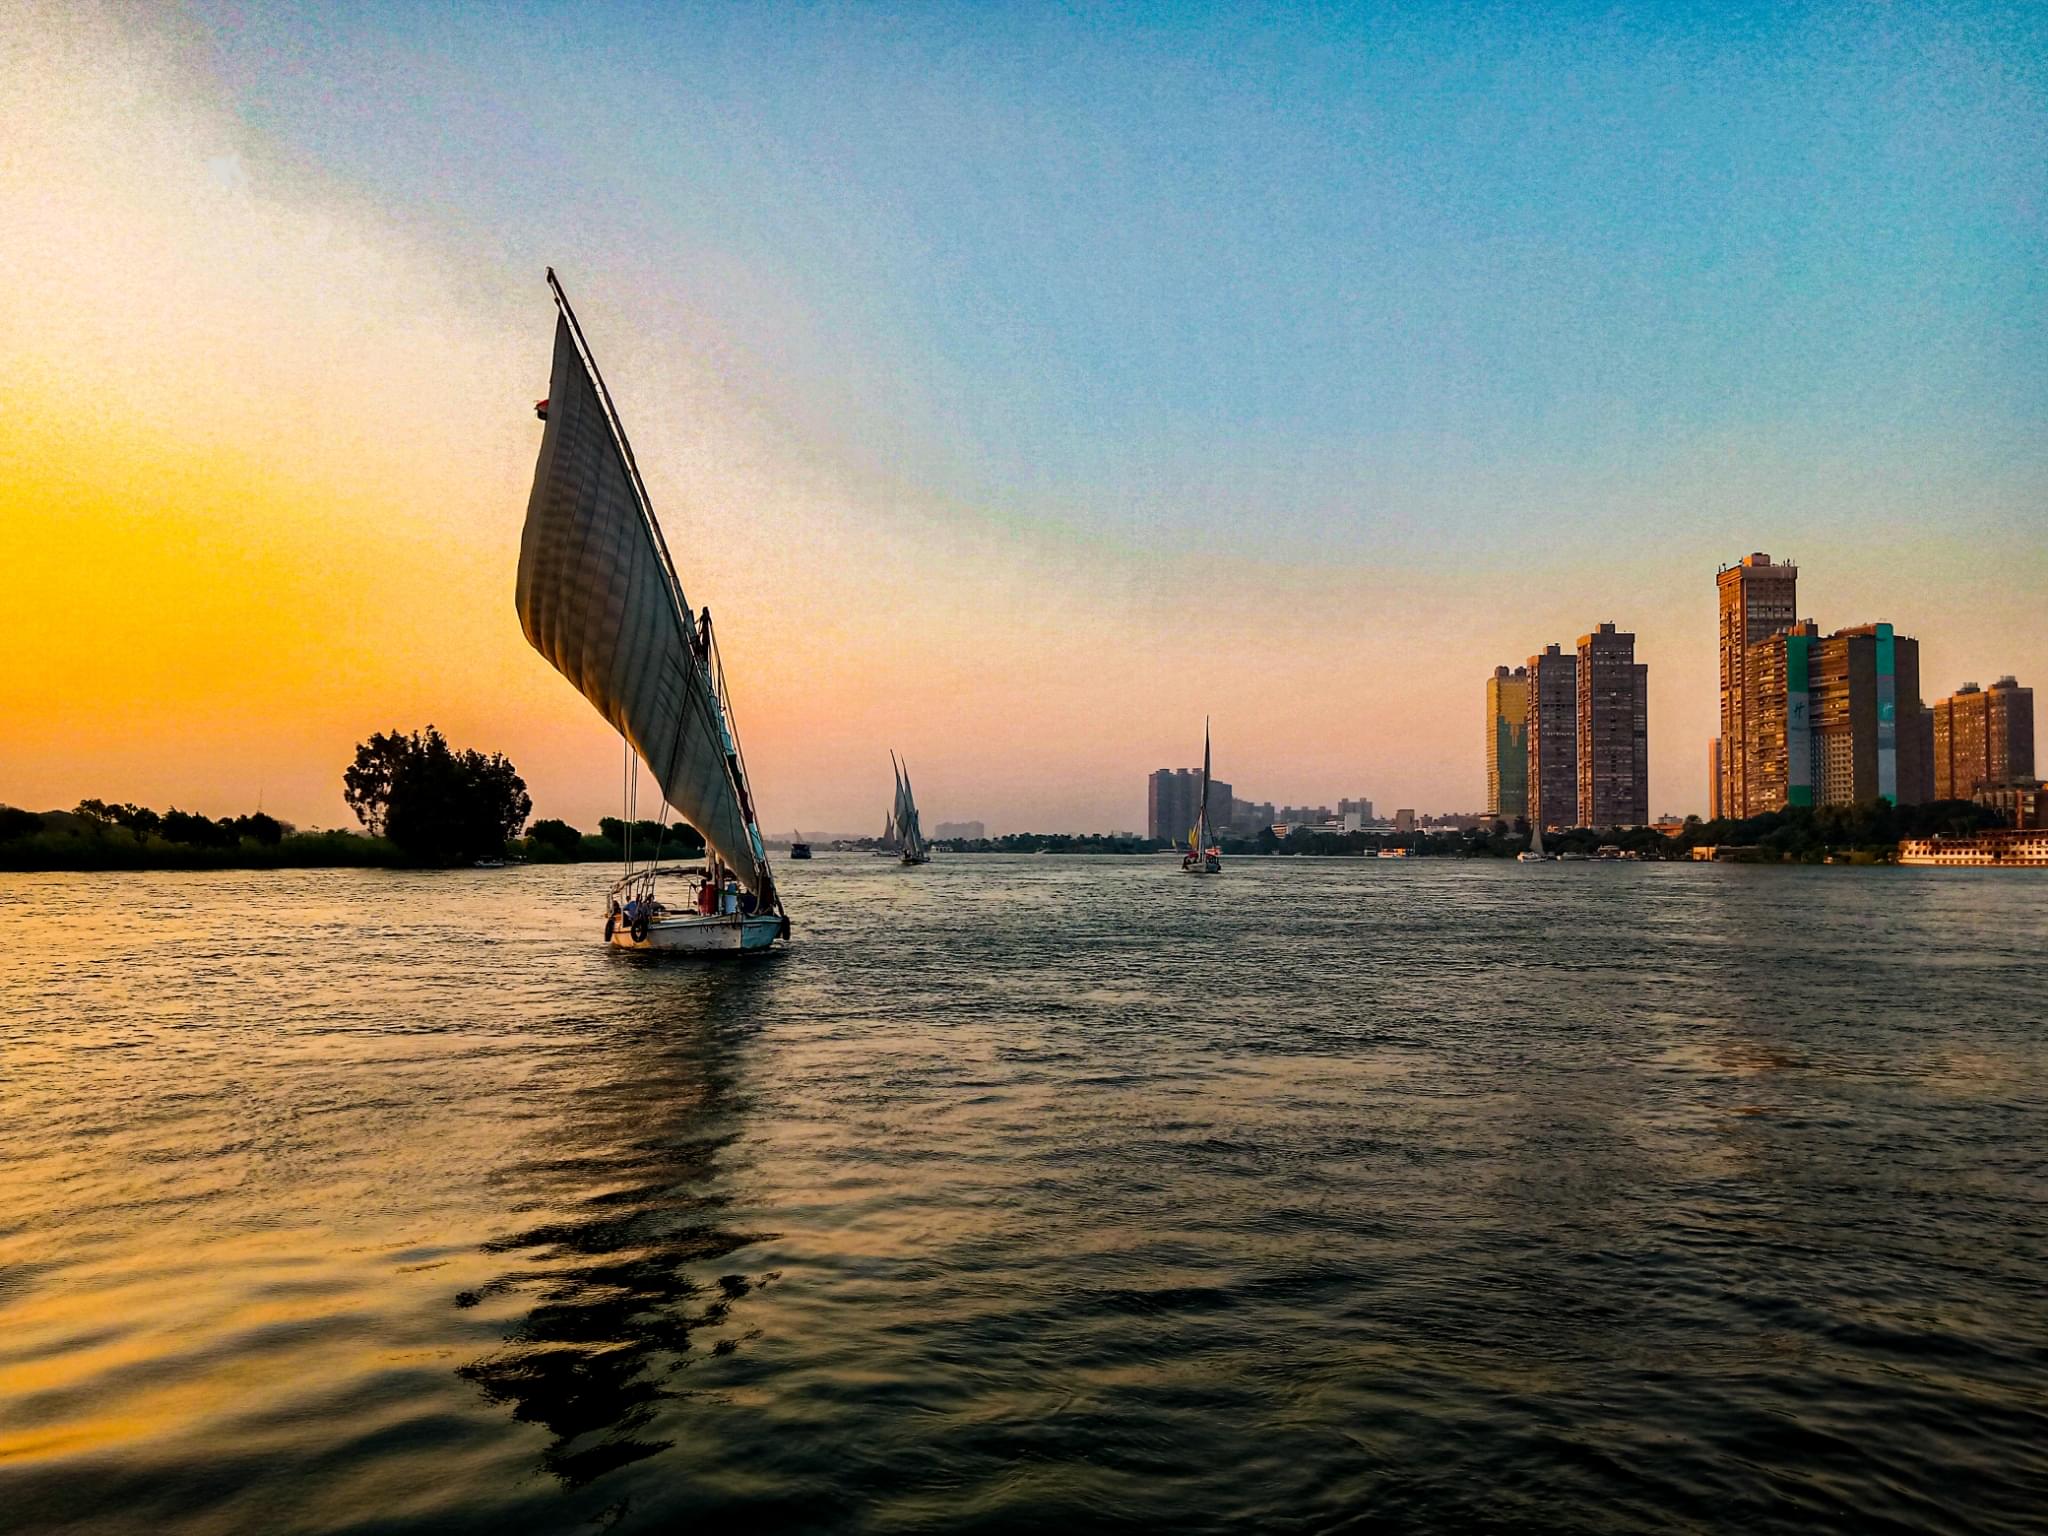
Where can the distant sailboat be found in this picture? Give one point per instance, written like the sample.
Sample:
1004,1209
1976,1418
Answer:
1534,854
1202,858
909,832
798,848
599,597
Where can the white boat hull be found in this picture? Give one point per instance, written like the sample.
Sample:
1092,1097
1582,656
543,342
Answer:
702,935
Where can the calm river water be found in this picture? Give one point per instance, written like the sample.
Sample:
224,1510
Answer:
1030,1192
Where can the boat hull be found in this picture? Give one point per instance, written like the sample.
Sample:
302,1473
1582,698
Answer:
702,935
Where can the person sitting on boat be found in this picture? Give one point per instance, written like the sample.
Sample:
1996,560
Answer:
707,898
731,905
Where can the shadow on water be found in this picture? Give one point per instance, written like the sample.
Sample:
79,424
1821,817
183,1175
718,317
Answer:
626,1268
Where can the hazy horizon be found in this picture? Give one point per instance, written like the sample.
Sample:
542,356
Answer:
1018,388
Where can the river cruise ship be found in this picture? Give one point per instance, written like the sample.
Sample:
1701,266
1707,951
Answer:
2025,849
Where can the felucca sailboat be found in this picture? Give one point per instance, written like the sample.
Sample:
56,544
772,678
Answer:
599,597
909,833
1202,858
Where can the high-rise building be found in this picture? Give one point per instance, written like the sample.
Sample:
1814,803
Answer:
1778,715
1613,740
1172,797
1982,736
1834,720
1758,598
1867,717
1553,735
1247,816
1507,743
1714,779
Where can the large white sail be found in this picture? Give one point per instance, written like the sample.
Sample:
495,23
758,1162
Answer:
600,599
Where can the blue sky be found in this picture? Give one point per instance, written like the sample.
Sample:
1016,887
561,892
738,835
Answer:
1161,271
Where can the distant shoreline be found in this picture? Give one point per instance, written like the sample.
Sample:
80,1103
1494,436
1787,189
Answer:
343,850
116,851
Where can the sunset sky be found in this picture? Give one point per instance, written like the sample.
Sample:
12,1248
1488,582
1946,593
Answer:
1017,385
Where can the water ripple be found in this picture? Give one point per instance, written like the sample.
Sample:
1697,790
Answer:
1028,1193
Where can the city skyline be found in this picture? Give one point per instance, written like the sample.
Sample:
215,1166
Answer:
262,470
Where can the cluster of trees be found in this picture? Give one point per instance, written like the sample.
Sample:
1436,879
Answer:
421,802
551,841
436,805
187,827
1812,833
102,835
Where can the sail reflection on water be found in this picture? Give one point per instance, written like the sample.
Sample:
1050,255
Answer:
627,1258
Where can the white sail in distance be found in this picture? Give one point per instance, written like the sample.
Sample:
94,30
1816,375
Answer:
599,597
908,832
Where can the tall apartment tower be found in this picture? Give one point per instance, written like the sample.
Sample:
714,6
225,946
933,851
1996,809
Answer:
1758,599
1507,743
1983,736
1170,796
1613,731
1834,720
1867,718
1553,739
1777,697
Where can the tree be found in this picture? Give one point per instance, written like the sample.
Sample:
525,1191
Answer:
438,805
678,837
197,830
138,819
258,828
558,835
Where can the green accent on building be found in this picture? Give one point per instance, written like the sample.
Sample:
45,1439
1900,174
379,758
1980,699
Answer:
1798,723
1887,715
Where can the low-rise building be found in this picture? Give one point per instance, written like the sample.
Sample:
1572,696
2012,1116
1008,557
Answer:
2023,803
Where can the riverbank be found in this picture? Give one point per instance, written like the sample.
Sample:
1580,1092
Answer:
57,841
